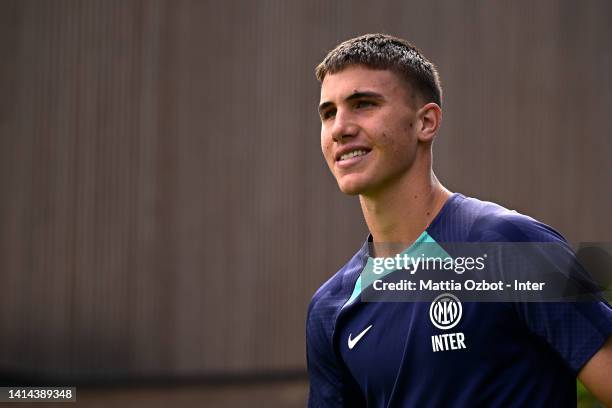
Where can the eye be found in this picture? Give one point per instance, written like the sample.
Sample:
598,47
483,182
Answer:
363,104
330,113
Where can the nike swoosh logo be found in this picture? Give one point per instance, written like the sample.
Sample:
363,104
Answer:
352,342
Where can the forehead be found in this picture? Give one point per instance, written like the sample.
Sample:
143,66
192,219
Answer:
358,78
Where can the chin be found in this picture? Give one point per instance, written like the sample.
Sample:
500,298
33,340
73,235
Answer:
351,187
351,192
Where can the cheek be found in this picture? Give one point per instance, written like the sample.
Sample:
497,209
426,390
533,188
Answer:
399,143
326,146
393,141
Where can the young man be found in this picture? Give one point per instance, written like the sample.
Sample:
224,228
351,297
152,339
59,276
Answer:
380,112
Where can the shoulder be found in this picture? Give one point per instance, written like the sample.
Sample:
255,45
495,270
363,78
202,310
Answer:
336,290
494,223
328,300
330,383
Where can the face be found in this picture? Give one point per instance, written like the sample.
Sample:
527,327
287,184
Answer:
368,123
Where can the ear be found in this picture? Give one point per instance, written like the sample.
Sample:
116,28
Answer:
429,118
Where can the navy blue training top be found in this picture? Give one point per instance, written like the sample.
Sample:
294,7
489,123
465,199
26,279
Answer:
380,354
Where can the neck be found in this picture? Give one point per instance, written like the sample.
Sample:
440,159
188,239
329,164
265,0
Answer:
400,213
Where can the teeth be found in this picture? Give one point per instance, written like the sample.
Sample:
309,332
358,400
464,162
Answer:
352,154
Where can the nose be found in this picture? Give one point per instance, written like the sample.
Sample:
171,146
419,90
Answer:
344,126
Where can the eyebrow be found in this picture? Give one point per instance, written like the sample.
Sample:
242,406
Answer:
353,96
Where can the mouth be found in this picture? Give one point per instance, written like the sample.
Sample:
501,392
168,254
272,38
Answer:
351,157
354,153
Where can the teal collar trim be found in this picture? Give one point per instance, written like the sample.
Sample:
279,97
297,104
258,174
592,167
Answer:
367,276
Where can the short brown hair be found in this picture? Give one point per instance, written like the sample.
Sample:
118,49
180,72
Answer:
381,51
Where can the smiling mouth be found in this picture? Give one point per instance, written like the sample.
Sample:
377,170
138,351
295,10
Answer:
354,153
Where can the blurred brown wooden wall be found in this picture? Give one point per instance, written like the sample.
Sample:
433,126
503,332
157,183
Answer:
164,208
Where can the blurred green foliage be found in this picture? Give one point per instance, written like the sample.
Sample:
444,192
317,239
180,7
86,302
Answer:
585,398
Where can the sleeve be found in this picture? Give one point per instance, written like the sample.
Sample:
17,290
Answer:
576,330
330,383
578,326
